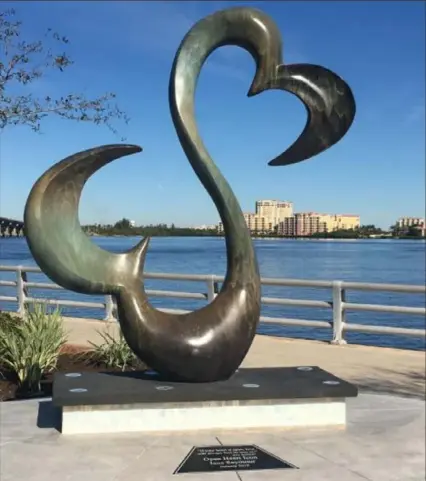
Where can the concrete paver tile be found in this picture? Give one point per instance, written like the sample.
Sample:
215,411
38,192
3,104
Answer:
388,453
163,457
69,458
330,473
276,444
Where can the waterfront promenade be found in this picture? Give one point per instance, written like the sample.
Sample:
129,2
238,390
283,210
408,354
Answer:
385,432
383,439
375,369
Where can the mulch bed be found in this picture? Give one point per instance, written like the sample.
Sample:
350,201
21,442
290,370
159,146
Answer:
72,358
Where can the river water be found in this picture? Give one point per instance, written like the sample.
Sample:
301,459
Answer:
380,261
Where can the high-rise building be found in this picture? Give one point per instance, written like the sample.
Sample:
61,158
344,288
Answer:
275,211
269,213
255,223
303,224
258,223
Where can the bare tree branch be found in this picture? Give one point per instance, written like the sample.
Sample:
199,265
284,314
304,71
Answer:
22,63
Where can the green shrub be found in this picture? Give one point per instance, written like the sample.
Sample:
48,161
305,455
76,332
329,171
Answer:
32,347
114,352
8,321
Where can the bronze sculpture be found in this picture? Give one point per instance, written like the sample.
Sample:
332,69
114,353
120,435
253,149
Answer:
208,344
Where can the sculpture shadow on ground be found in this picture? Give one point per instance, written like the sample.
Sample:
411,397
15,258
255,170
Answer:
49,416
409,384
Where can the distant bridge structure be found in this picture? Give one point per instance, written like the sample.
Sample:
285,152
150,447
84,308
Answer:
11,227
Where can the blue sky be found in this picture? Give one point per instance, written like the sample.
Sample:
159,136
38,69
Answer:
377,170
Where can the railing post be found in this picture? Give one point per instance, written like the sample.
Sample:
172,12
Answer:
109,309
338,313
211,289
21,279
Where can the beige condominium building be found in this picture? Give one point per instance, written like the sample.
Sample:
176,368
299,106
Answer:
274,211
268,214
344,221
308,223
255,223
277,216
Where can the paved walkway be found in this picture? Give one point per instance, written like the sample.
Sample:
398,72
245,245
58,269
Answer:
373,369
383,441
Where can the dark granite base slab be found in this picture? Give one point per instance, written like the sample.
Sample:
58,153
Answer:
246,386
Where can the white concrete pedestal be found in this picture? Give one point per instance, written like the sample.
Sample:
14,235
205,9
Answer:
145,418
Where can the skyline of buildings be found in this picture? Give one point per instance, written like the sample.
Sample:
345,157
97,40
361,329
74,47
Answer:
275,216
278,216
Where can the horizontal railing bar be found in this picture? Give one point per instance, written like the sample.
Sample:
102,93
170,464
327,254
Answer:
268,281
22,268
265,280
60,302
196,295
265,300
273,320
43,285
154,293
367,286
181,294
178,277
419,311
9,298
385,330
296,322
296,302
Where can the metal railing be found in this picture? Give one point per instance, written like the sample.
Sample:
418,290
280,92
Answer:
338,305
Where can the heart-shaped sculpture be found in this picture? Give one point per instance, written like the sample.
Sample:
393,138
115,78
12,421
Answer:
208,344
328,99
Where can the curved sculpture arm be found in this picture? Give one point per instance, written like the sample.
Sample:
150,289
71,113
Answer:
54,235
329,103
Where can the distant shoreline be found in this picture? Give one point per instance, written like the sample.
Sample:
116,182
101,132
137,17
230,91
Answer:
199,235
262,237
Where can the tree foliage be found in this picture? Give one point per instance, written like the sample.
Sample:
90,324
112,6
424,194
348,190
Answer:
123,228
123,224
24,62
407,231
414,231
